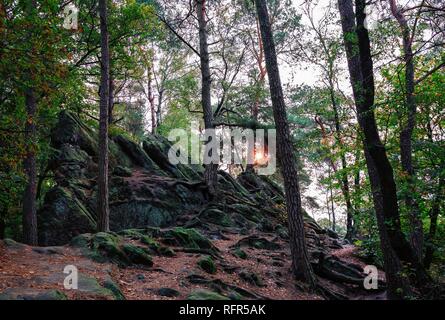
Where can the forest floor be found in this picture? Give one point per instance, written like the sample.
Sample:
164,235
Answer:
32,271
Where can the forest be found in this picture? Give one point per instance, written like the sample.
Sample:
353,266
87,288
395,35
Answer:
313,166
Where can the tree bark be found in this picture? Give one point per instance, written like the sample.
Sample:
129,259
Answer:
300,261
344,176
210,173
29,166
398,286
360,67
406,134
102,201
393,243
111,100
151,98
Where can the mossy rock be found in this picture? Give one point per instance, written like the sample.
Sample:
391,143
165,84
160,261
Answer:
207,264
258,243
91,286
252,278
187,238
122,171
107,245
137,255
217,217
203,294
240,253
114,288
166,251
31,294
168,292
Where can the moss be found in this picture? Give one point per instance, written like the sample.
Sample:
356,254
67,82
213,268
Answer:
188,238
82,240
206,263
122,171
137,255
240,253
252,278
217,217
205,295
91,286
167,251
108,245
114,288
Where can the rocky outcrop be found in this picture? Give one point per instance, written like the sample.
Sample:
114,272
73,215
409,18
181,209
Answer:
165,208
145,190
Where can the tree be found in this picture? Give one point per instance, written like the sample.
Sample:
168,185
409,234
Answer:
300,261
102,180
210,173
406,133
358,54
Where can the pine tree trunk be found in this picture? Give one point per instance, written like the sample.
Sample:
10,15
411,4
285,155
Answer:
344,176
111,101
371,144
151,98
29,166
300,261
398,286
102,201
210,173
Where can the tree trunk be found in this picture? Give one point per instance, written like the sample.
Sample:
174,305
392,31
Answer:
102,201
29,166
332,205
151,98
159,109
379,169
398,286
344,176
210,173
111,100
406,134
362,81
300,261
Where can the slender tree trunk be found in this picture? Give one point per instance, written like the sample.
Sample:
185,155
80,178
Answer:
159,109
362,81
111,100
406,134
29,166
398,285
393,243
300,261
344,176
151,98
332,203
102,201
210,173
434,214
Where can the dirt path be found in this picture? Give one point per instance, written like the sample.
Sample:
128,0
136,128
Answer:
42,269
